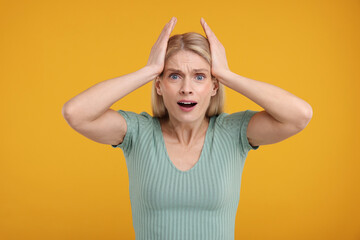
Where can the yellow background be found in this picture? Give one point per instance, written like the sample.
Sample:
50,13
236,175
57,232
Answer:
57,184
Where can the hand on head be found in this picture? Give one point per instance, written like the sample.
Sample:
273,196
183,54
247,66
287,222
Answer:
157,54
158,51
218,55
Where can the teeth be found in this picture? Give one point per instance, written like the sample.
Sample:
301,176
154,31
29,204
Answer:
187,102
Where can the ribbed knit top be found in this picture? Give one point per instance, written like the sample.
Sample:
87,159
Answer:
171,204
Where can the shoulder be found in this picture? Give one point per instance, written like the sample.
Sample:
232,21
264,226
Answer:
138,122
234,124
133,117
228,120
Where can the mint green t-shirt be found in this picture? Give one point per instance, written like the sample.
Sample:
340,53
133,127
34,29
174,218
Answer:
171,204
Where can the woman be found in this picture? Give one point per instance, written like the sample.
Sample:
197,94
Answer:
185,162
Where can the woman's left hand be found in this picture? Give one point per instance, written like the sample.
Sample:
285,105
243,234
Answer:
218,56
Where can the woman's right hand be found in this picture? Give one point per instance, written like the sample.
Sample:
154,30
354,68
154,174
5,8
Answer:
157,55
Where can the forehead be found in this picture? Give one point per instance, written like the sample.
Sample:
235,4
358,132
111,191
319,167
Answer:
186,61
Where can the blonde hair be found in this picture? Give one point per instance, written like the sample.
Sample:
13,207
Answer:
198,44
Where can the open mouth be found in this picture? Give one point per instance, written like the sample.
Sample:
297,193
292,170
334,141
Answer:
187,104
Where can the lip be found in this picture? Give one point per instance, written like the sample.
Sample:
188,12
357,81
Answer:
184,100
187,109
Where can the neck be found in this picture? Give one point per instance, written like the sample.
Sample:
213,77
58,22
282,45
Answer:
185,133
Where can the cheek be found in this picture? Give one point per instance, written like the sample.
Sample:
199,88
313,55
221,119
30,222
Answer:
207,91
168,97
169,90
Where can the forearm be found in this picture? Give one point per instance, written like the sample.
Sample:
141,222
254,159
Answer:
93,102
280,104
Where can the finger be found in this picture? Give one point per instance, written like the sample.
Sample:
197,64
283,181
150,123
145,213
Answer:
202,22
172,25
174,20
207,30
209,33
164,36
164,30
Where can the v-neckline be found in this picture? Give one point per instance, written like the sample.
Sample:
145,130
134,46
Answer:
202,149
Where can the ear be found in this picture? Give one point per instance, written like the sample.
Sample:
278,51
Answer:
215,87
157,85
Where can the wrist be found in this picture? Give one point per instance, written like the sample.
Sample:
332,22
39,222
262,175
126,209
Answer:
150,71
225,74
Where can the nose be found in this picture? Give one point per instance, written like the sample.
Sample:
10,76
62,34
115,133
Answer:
186,87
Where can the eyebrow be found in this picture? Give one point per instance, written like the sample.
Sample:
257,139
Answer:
194,70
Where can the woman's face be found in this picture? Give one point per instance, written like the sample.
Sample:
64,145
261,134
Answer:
186,86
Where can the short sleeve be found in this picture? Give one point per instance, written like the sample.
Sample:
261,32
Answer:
133,123
243,129
237,124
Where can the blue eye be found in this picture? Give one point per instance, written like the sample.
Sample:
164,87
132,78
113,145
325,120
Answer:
173,75
202,77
